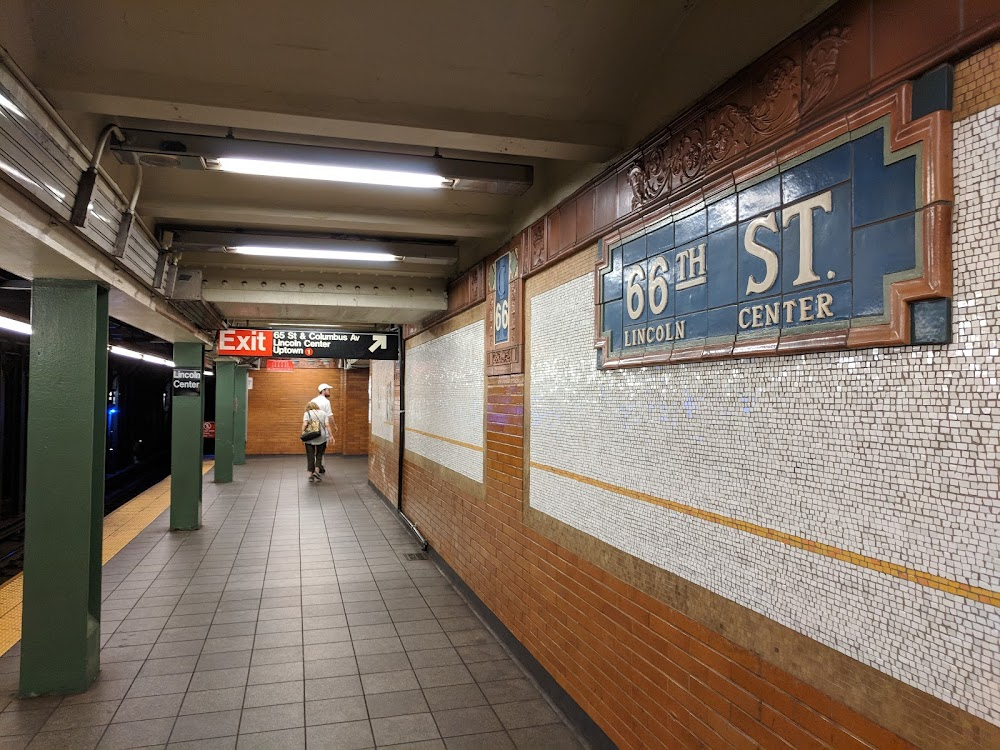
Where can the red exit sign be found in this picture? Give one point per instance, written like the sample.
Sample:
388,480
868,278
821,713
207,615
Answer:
246,343
280,365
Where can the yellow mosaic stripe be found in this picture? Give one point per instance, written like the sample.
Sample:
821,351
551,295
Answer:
459,443
120,527
975,593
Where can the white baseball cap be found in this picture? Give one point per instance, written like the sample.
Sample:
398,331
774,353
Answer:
324,386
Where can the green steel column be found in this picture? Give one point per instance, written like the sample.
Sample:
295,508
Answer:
225,418
187,417
64,521
240,424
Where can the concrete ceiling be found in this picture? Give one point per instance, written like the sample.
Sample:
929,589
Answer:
562,85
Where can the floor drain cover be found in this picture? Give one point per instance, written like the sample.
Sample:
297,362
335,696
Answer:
415,556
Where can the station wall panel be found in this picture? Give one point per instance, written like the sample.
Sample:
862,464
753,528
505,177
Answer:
278,399
794,551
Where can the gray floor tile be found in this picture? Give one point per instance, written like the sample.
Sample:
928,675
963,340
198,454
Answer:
507,691
101,690
335,650
438,657
431,677
224,660
551,737
219,678
24,722
394,730
335,710
275,673
211,701
333,687
176,648
418,627
288,610
383,663
390,682
227,644
194,633
84,738
326,635
331,667
277,640
274,694
205,726
520,714
285,739
490,671
378,646
348,735
74,716
175,665
475,637
216,743
151,707
457,721
382,705
454,696
136,734
491,741
270,718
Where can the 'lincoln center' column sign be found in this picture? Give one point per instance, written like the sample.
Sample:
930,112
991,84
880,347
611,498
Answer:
824,244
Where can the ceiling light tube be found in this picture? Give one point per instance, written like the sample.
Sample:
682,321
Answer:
16,326
131,354
314,254
328,172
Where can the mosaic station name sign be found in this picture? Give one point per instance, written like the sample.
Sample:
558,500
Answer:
825,250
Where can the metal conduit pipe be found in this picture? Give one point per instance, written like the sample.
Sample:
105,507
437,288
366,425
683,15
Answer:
402,440
88,180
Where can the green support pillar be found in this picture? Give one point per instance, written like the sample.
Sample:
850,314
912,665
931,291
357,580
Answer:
225,418
64,510
187,418
240,423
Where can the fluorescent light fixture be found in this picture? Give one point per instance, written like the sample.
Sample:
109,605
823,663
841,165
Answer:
11,107
303,252
305,326
122,352
131,354
301,171
17,326
156,148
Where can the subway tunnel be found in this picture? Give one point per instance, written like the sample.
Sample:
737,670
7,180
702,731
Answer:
499,375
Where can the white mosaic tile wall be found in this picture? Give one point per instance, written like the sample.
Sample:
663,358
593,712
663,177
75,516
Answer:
892,453
445,397
383,410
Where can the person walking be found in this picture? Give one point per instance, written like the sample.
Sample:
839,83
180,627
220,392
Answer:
315,420
323,402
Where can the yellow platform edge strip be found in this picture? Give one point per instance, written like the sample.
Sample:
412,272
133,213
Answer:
121,526
940,583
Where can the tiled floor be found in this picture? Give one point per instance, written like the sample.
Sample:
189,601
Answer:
291,619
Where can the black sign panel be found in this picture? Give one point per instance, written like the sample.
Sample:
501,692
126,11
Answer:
187,381
335,344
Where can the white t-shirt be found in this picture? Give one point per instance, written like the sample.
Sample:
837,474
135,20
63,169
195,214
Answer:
324,434
323,403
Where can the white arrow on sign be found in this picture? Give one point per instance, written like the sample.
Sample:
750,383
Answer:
381,342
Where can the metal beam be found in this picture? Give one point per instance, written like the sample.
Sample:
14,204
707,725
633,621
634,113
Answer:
519,137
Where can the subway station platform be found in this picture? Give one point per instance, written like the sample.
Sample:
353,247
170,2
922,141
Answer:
292,619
